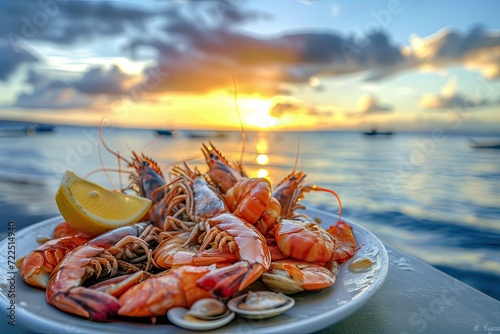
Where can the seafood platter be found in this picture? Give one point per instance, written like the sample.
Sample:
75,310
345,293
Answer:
189,249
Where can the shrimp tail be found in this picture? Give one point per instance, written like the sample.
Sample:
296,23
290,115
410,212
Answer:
225,282
92,304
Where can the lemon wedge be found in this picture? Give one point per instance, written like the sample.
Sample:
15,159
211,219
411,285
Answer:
94,209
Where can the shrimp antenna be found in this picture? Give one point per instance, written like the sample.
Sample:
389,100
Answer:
174,163
297,154
101,139
316,188
243,133
100,156
120,174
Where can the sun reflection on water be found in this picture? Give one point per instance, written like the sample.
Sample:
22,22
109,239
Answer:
262,159
262,145
262,172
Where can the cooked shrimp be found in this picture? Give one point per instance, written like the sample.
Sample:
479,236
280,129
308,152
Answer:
36,267
230,233
173,251
155,296
304,241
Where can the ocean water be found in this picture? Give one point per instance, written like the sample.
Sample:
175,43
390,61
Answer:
428,194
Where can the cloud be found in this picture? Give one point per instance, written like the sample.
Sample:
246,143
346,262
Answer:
292,106
51,94
54,98
10,60
201,58
99,81
281,108
478,49
450,98
95,89
369,105
55,21
201,47
231,11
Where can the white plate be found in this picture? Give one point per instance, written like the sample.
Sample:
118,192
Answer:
313,311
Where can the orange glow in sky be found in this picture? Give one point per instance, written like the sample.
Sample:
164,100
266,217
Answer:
207,111
300,67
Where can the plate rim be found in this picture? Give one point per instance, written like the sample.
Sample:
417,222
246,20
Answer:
37,322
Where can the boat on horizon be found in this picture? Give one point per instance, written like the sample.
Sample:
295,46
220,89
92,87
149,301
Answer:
484,145
23,130
375,132
44,128
167,133
39,128
207,134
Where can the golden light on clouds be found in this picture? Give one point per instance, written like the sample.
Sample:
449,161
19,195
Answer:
314,81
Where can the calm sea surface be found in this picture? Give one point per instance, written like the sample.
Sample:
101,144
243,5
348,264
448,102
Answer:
431,196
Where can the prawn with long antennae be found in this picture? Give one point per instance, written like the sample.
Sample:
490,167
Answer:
221,173
300,237
290,191
171,201
305,256
247,198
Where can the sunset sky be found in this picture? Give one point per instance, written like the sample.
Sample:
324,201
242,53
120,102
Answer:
338,65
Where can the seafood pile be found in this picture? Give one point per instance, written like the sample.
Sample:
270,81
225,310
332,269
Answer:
206,240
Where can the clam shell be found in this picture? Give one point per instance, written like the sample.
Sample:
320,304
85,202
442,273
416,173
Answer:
208,309
177,316
262,300
261,313
281,283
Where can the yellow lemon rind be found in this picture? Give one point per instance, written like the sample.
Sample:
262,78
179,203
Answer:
80,218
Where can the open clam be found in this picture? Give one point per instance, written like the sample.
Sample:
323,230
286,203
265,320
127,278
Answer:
205,314
260,304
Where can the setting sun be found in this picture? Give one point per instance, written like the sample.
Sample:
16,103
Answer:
255,113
